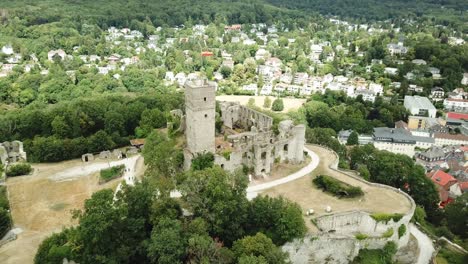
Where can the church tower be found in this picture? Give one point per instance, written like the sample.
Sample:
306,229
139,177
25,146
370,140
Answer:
200,111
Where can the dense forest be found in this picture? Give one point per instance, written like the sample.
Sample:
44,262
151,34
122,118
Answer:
177,12
120,13
443,11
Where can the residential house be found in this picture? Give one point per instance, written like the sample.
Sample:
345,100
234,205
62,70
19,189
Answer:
415,88
114,59
464,81
286,78
180,78
447,186
228,62
14,59
397,49
431,156
273,62
419,62
437,94
391,71
377,89
253,88
56,53
301,78
8,50
267,89
262,54
367,95
435,72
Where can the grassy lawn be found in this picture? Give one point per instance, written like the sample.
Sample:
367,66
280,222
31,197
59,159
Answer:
448,256
111,173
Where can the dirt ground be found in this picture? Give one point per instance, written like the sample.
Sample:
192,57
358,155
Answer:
41,205
308,196
289,103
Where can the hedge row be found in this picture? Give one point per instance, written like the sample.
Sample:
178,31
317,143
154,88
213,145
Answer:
336,187
111,173
19,169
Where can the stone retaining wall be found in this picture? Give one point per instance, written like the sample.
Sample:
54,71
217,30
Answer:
337,242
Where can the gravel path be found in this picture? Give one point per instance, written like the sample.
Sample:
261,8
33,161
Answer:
90,168
426,249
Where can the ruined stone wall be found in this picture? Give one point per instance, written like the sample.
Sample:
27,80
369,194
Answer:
233,113
12,152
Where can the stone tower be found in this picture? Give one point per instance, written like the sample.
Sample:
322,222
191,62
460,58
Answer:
200,111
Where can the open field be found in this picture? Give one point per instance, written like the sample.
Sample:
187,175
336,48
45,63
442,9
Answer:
308,196
41,204
289,103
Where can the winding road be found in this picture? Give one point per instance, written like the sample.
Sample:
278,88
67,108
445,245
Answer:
252,191
426,248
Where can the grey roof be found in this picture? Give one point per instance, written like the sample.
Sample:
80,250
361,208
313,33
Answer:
433,152
419,102
398,135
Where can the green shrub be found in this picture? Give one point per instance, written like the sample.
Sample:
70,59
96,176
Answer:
19,169
361,236
111,173
278,105
4,198
401,230
227,155
388,233
5,222
203,161
337,187
376,256
382,217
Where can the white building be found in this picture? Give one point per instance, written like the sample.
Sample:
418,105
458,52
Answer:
267,89
253,88
457,105
376,88
8,50
53,53
421,106
397,49
399,141
446,139
391,71
464,81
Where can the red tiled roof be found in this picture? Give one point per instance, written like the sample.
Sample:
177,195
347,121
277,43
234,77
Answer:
207,53
464,148
454,115
463,186
441,178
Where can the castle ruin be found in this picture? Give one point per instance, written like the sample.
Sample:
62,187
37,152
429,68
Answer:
247,139
11,152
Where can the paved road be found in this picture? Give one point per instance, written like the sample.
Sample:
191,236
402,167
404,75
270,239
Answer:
89,168
253,191
426,249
